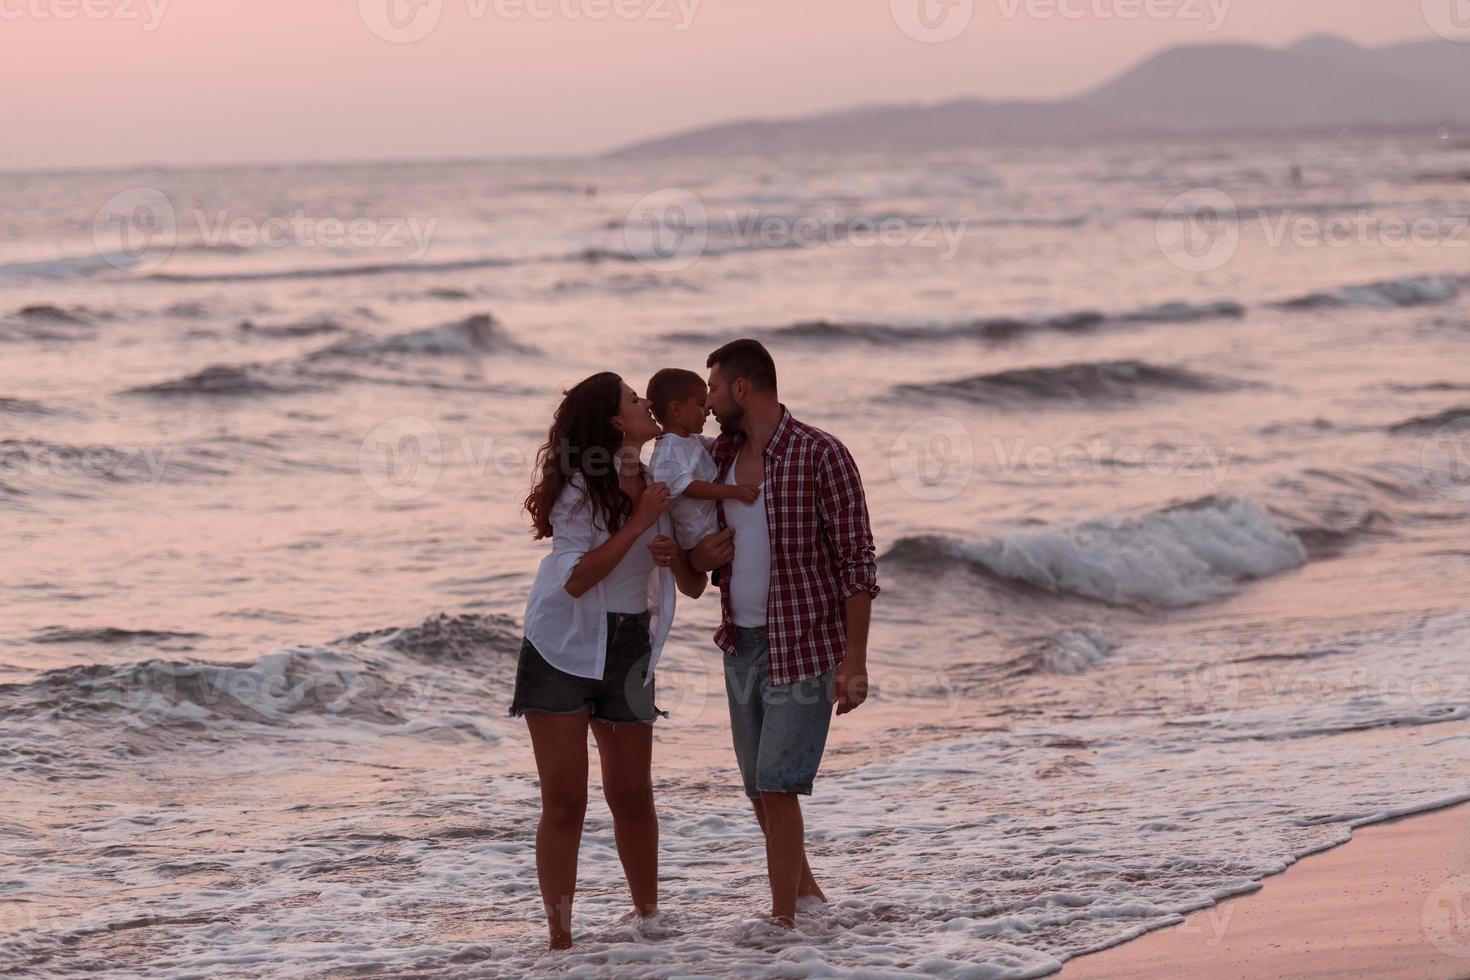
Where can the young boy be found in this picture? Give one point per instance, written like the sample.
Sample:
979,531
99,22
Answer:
681,456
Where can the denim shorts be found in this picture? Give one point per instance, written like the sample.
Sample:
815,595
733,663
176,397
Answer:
779,732
619,698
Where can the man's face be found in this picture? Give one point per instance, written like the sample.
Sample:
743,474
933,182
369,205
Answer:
722,401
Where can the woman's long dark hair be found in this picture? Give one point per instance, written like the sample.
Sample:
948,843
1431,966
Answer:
582,440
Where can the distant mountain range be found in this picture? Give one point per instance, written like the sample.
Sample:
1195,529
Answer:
1323,83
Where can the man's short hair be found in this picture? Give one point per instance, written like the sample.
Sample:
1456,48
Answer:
671,385
746,359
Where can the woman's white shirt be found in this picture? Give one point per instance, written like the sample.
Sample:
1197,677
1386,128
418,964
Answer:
571,633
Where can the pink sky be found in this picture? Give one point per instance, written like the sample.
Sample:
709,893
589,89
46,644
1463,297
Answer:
247,80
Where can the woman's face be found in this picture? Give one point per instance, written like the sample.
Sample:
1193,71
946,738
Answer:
636,418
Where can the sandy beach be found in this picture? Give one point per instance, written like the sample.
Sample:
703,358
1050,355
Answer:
1389,904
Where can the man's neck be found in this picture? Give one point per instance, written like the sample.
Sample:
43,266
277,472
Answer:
760,424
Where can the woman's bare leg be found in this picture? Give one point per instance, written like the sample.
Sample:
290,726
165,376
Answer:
627,783
560,742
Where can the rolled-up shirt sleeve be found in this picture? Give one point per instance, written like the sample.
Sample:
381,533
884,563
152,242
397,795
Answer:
672,464
844,510
572,531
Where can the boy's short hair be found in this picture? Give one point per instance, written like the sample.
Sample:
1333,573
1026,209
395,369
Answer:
671,385
746,359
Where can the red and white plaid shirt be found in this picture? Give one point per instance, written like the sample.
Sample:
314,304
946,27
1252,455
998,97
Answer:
821,547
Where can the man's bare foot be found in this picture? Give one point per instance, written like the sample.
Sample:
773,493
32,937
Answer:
561,940
784,921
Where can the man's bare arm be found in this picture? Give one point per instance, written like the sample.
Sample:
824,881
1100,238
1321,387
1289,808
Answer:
852,672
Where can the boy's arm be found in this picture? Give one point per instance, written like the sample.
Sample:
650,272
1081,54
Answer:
704,490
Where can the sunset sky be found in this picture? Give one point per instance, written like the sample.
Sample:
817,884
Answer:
151,81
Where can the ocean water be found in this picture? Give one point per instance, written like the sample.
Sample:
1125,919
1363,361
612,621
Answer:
1168,458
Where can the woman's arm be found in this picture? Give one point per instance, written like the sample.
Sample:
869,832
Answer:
598,563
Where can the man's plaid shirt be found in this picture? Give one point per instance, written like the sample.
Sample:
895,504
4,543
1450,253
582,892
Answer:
821,547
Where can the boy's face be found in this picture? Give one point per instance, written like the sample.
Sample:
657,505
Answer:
690,413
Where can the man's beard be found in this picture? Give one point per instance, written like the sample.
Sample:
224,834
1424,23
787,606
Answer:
732,422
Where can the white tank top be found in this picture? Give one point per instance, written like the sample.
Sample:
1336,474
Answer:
626,586
750,572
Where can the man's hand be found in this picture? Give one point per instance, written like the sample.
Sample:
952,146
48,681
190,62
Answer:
850,687
715,551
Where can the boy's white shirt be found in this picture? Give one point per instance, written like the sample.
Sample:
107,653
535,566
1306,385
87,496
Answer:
679,461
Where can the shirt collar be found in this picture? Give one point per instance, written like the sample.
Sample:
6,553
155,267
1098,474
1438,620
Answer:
779,436
777,444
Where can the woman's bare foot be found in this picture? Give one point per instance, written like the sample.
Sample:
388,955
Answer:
560,940
809,888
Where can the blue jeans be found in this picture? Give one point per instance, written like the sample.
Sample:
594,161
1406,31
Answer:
779,732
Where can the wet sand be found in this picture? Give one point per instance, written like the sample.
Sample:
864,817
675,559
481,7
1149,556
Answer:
1392,903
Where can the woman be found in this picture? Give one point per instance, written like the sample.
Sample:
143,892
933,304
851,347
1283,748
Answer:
596,621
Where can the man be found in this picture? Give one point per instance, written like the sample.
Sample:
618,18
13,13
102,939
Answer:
796,599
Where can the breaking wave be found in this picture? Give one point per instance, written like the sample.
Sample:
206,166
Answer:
393,678
1429,424
985,329
474,335
1103,382
1180,556
478,334
1390,294
229,381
